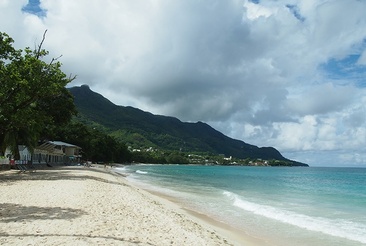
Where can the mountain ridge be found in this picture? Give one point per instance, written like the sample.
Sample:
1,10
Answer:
137,127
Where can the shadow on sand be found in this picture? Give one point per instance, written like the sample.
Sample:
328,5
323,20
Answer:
10,212
56,173
119,240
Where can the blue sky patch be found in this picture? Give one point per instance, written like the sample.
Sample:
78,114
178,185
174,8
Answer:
346,69
33,7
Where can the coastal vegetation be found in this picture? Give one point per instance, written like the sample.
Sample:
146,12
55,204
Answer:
33,97
96,145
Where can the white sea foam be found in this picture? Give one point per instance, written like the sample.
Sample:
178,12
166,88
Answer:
338,228
121,169
141,172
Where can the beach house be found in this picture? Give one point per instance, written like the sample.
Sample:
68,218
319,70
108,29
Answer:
49,152
56,152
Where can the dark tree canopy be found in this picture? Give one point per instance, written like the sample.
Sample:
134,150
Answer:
96,145
33,97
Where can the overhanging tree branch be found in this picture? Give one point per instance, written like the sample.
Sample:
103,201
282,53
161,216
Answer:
38,54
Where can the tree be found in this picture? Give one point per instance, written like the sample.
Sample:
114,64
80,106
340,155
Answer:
177,158
33,97
96,145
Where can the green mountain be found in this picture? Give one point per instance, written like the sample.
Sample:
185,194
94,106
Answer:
141,129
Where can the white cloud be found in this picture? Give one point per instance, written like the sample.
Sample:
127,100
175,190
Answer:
321,99
362,59
254,71
255,11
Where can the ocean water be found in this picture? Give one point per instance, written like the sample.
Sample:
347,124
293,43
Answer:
285,206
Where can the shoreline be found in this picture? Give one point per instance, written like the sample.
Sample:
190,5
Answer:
85,206
237,236
274,205
234,235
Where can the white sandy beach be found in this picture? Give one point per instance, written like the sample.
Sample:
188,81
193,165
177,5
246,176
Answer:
92,206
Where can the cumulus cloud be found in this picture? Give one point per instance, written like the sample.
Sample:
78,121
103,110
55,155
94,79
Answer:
322,99
256,70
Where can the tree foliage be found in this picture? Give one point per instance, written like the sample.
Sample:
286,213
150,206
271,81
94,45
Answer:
96,145
33,97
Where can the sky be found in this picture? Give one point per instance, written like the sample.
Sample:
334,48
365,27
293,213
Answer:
287,73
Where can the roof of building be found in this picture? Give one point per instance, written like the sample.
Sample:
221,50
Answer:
50,145
60,143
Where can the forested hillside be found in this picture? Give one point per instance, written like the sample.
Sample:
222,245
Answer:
143,130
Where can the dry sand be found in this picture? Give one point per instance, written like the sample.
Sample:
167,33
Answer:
93,206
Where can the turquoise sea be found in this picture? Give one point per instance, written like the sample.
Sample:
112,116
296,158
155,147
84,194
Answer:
286,206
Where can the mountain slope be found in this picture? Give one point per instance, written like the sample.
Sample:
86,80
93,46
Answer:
143,129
